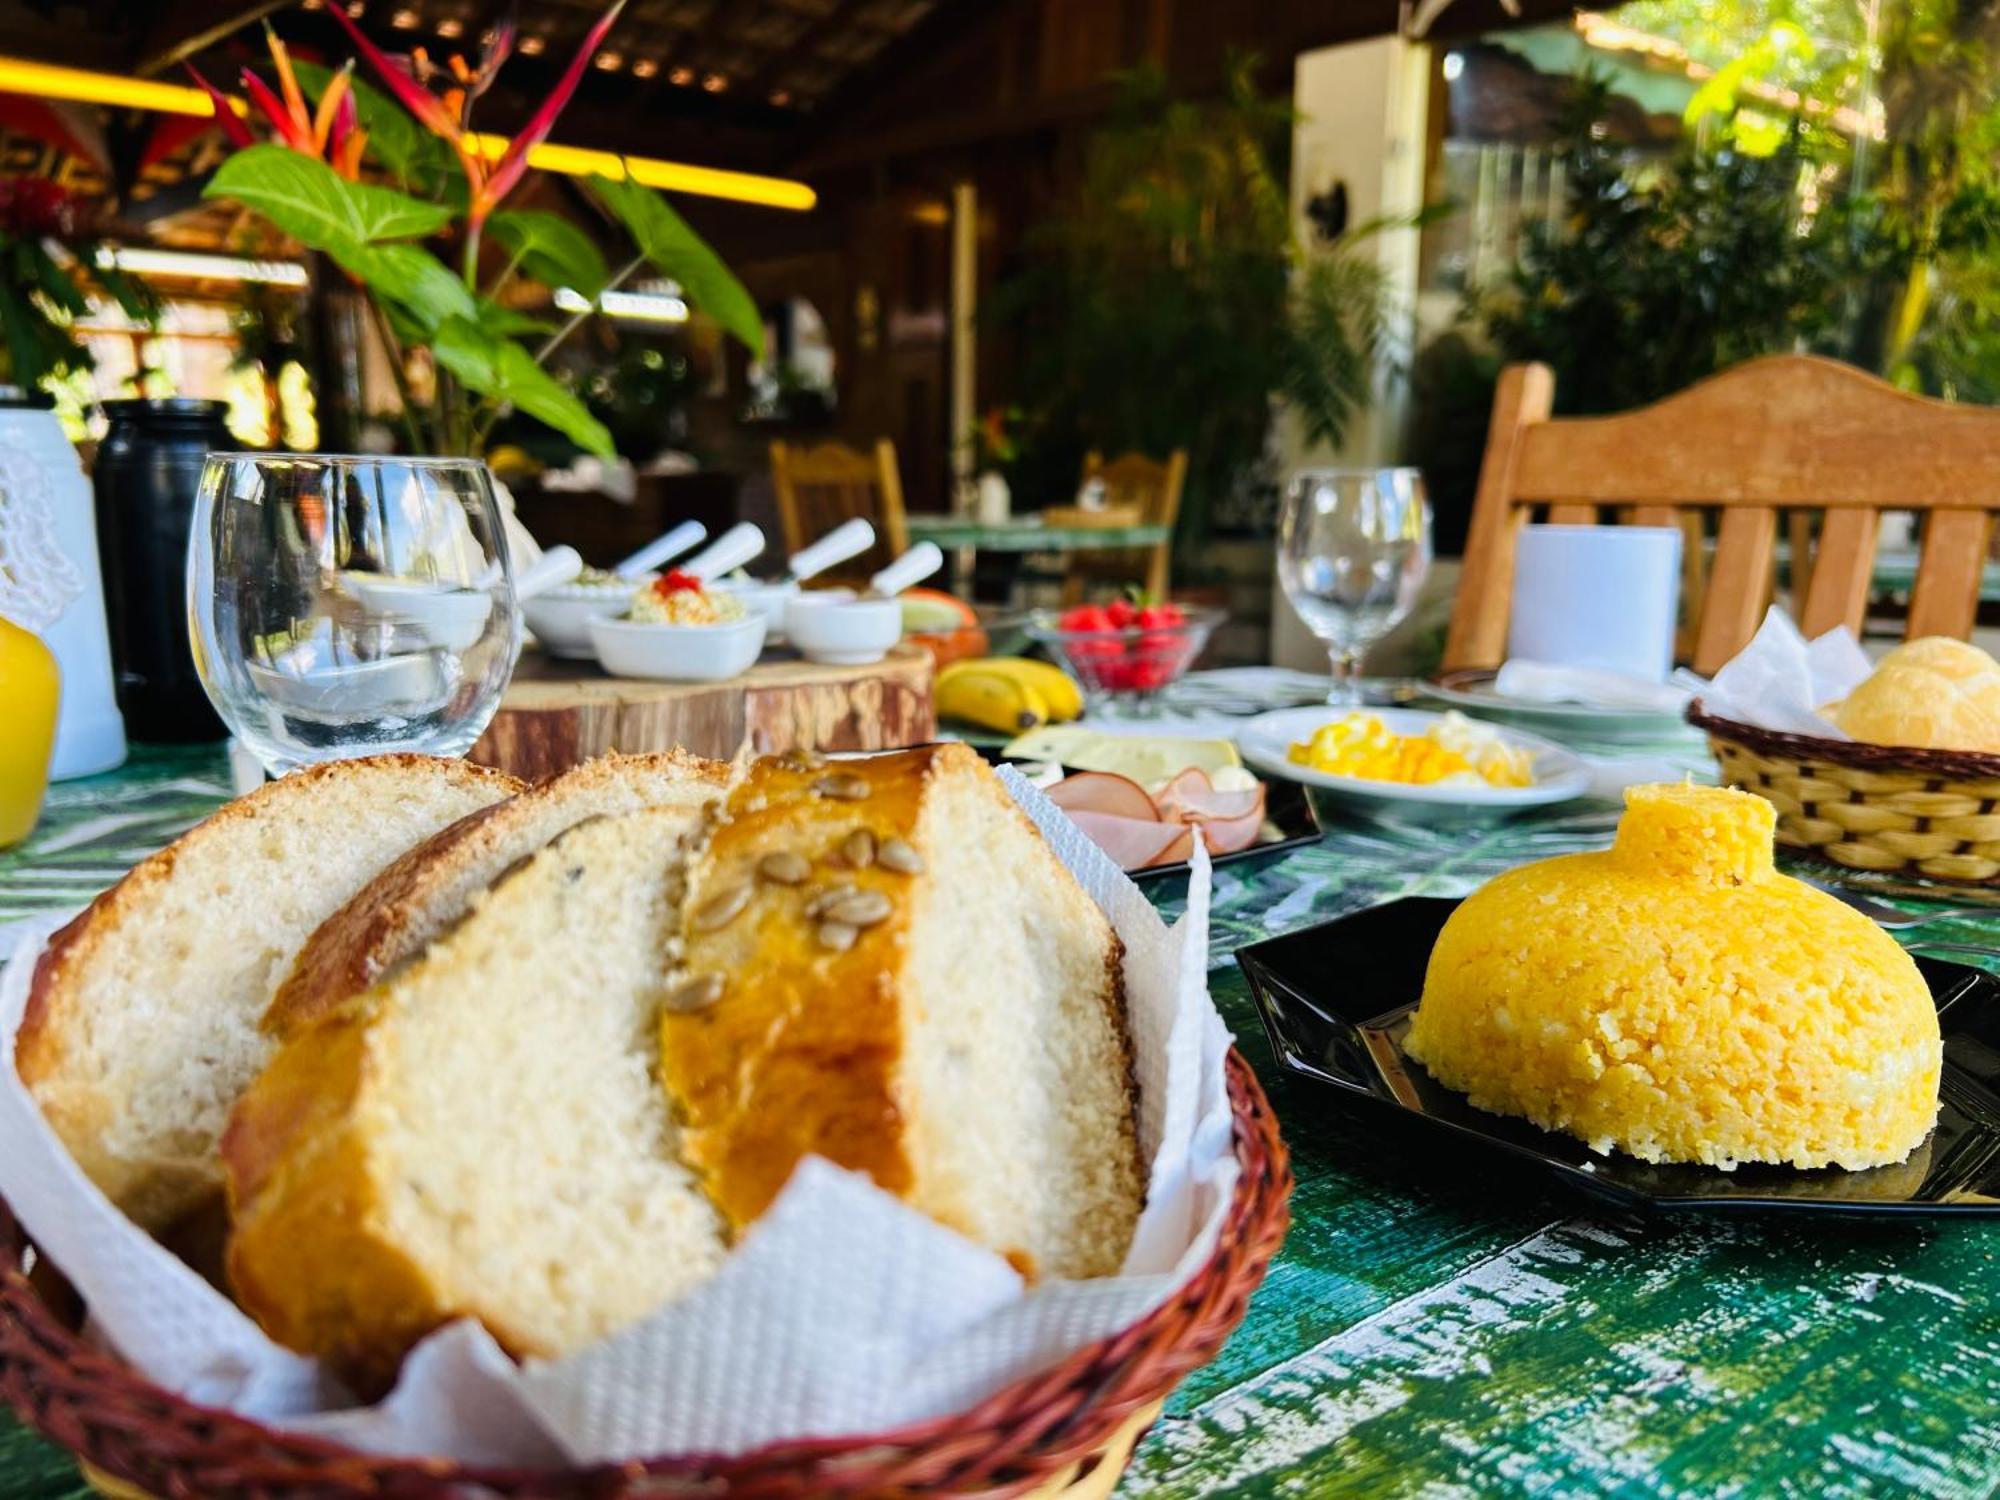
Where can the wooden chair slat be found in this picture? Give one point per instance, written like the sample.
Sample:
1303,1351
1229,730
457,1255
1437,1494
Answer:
1791,434
1154,490
1738,585
1477,636
1572,515
821,486
1945,600
1841,568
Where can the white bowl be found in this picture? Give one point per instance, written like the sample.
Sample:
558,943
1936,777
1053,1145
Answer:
560,617
452,619
677,653
836,628
766,599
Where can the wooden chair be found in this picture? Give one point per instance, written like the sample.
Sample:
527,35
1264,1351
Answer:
821,486
1151,488
1789,433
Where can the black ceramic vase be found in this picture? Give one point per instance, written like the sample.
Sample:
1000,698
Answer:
148,468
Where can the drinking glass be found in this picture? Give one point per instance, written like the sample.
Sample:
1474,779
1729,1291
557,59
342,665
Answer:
1353,548
342,606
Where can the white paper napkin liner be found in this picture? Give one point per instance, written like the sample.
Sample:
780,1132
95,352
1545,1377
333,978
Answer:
845,1311
1780,681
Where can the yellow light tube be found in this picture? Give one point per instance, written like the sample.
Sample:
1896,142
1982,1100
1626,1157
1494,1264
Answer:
48,81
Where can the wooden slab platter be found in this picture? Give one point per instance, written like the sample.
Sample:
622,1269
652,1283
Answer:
558,713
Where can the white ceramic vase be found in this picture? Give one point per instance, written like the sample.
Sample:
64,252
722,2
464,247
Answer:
994,498
35,456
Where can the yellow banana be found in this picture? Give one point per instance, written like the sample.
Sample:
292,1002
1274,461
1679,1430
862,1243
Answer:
1058,689
993,700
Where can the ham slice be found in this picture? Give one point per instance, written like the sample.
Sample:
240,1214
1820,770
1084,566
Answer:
1139,830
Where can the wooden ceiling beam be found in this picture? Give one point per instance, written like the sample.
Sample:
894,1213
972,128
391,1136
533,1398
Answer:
192,27
806,44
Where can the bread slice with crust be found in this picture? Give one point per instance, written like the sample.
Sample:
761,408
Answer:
141,1025
955,1027
484,1134
425,892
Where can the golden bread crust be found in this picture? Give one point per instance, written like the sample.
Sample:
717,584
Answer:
77,1109
395,915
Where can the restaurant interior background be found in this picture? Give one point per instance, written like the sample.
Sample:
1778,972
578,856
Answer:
1003,233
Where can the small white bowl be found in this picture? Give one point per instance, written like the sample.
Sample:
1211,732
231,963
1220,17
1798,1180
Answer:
834,627
560,617
766,599
677,653
451,619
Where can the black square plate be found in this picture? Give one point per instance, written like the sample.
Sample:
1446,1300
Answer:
1336,1001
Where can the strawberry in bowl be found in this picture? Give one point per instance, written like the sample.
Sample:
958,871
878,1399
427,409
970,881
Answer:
1126,651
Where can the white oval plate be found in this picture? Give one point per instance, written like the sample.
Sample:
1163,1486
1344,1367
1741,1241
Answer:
1559,774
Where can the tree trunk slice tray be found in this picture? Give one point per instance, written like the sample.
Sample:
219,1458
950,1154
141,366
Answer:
557,714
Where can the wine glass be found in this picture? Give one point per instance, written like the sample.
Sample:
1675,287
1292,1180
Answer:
342,606
1353,548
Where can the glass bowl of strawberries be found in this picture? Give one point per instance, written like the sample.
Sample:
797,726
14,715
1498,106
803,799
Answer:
1127,652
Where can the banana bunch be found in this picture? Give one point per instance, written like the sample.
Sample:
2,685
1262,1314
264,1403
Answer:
1007,693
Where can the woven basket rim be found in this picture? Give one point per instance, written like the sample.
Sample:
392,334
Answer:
1019,1437
1855,754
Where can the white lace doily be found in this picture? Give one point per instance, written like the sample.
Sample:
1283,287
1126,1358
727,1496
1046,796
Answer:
37,579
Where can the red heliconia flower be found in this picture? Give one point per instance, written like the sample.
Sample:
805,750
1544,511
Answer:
309,132
443,115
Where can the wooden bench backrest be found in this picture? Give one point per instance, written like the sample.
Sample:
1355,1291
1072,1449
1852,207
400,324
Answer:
1789,433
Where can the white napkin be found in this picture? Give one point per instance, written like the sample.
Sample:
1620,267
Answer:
1780,681
1595,687
844,1311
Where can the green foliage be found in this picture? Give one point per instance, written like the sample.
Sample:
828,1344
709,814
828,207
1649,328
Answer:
498,367
1166,303
1655,279
551,250
672,248
308,200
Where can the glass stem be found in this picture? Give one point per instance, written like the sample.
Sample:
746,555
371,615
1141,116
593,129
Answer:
1346,675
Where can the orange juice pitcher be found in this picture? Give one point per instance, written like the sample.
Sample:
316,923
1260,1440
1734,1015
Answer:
29,691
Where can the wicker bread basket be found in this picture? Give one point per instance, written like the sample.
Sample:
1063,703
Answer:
1893,810
1054,1432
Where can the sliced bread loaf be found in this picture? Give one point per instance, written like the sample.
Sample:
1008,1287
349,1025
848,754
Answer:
141,1026
484,1134
878,961
907,981
427,890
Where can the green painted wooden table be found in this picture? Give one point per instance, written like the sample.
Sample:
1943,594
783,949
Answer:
1440,1328
1028,535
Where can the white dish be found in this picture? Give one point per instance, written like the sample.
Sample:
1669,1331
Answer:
766,599
834,627
1560,774
452,619
677,653
1474,693
560,618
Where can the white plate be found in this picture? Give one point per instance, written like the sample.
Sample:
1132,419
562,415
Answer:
1559,774
1473,693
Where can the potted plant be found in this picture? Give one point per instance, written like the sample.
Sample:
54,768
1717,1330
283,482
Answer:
437,190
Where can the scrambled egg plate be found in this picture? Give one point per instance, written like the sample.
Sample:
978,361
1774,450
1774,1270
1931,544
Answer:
1453,751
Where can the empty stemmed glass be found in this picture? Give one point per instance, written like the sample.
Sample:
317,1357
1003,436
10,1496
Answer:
1353,548
342,606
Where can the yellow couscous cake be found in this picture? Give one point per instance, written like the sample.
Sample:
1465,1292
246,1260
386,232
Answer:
1677,998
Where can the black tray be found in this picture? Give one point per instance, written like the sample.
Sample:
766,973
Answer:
1336,1001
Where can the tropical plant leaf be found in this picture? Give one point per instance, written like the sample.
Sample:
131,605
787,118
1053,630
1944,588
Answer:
417,283
501,370
419,161
308,200
508,322
673,249
551,249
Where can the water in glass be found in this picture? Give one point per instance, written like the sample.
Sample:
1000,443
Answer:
342,606
1353,548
